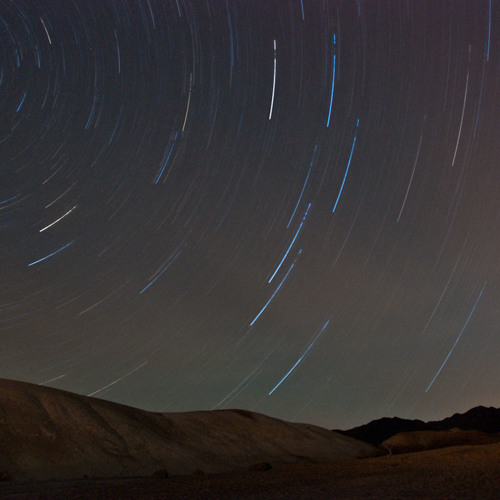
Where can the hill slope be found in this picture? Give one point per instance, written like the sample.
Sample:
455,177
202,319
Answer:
46,433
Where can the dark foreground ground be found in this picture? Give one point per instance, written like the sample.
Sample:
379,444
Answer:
457,472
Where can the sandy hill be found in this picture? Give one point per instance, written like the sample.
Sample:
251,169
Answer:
408,442
47,433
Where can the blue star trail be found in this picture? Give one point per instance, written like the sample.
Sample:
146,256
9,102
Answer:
457,339
347,168
309,347
50,254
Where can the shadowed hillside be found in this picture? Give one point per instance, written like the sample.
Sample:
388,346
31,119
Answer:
47,433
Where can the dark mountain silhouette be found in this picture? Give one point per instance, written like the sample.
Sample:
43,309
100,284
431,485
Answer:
479,418
379,430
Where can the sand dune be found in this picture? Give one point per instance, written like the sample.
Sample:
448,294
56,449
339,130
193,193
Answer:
407,442
51,434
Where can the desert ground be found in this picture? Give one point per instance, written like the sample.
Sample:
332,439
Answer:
454,472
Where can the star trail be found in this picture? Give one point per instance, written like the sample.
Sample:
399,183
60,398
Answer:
290,207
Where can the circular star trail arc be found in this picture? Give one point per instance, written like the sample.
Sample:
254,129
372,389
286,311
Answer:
289,207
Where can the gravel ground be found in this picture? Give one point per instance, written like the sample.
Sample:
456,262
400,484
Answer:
456,472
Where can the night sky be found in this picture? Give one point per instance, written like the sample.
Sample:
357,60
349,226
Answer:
286,206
